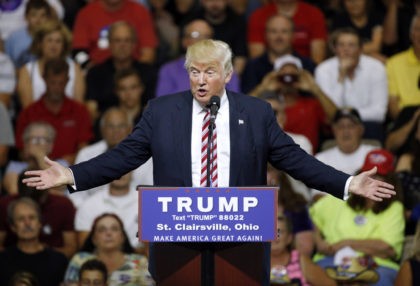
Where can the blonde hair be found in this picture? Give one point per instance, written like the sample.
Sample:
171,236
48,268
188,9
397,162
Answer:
210,51
47,28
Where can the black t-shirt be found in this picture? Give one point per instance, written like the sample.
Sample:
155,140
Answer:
48,266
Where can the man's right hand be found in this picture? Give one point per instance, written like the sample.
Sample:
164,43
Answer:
54,176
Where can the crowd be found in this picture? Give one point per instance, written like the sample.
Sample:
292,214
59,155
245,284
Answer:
342,77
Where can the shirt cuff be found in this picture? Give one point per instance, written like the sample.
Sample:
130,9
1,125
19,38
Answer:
346,188
73,186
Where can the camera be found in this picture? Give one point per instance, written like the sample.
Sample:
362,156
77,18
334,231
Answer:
288,78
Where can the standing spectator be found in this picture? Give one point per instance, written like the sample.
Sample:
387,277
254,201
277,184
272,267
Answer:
18,43
7,80
29,254
310,32
100,78
173,77
356,80
51,42
403,74
57,213
92,25
69,118
369,228
278,36
361,16
108,242
228,27
115,126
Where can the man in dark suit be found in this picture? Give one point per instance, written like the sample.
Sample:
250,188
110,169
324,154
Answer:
248,137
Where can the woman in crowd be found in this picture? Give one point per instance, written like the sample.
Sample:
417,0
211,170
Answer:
109,243
288,266
52,40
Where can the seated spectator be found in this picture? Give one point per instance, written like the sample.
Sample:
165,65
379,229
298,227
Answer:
353,79
115,126
6,139
403,74
289,266
69,118
366,21
118,198
368,227
29,254
100,78
17,45
58,214
349,152
293,206
51,42
408,171
108,242
228,27
403,130
310,32
7,79
408,275
279,33
306,114
173,77
38,138
93,272
91,28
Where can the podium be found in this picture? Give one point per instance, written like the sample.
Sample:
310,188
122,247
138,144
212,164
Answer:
208,236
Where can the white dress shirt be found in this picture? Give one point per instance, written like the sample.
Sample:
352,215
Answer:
223,142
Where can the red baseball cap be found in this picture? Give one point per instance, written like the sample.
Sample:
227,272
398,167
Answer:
380,158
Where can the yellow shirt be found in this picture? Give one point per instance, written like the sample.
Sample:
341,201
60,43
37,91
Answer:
403,70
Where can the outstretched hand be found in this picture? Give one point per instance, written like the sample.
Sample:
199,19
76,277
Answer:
54,176
365,186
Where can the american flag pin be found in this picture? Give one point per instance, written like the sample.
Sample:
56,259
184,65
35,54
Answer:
240,121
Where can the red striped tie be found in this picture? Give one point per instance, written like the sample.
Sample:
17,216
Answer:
213,157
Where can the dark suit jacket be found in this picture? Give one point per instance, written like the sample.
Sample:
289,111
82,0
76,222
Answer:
164,132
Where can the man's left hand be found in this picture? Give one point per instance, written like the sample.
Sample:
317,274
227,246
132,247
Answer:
365,186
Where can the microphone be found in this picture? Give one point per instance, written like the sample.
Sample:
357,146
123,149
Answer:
214,106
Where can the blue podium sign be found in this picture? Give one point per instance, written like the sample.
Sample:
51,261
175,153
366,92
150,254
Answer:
207,214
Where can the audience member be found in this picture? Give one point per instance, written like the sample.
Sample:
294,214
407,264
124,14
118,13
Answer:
228,27
7,80
93,272
118,197
403,73
409,273
92,25
403,129
29,254
305,114
38,138
13,15
51,41
349,152
396,26
289,266
115,126
173,77
18,43
183,11
100,78
361,16
6,137
57,212
109,243
367,227
22,278
279,33
69,118
356,80
310,32
408,168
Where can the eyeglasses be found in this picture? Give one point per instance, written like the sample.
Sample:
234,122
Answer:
38,140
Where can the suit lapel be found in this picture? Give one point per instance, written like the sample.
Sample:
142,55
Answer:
182,122
237,122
